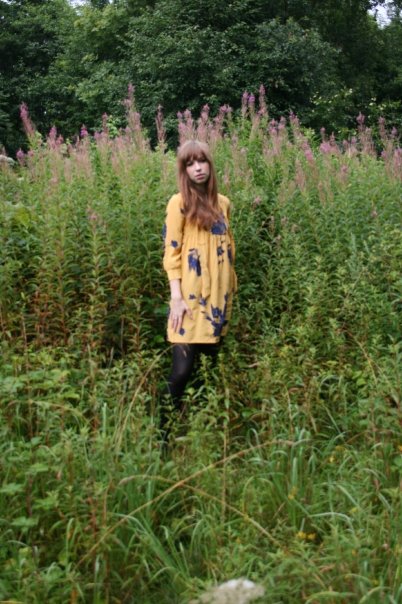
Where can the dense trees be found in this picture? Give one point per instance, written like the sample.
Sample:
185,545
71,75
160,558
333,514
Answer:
325,60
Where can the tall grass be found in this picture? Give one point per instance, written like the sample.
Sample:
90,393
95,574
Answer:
286,466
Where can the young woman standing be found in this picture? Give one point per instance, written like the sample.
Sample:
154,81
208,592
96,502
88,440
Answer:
199,261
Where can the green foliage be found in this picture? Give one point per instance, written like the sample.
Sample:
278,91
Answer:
285,464
33,35
325,60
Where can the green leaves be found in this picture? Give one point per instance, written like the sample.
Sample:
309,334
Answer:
286,463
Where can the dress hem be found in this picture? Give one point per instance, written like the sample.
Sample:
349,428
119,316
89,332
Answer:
199,341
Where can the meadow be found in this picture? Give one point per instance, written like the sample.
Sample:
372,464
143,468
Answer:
285,467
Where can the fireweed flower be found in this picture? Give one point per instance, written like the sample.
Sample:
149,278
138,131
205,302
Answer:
325,147
28,125
188,117
83,131
244,101
51,137
20,157
205,112
129,101
160,128
294,120
262,101
308,154
203,124
226,109
360,119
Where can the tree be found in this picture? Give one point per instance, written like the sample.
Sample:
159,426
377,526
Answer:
31,37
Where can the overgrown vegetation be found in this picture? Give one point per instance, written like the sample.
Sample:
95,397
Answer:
286,466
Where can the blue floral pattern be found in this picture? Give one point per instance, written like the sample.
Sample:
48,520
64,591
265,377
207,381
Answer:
230,254
194,261
174,243
219,227
218,319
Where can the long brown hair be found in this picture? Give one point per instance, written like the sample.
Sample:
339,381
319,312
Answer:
200,208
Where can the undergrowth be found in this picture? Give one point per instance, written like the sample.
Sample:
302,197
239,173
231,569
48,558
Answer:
286,464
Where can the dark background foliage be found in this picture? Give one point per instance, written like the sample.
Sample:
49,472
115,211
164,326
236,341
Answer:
325,60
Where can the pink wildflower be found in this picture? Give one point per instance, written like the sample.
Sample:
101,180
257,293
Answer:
225,109
325,147
262,101
160,128
308,154
84,132
129,101
26,120
205,112
52,133
360,119
20,157
282,123
244,101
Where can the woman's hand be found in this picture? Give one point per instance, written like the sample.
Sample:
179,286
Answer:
177,309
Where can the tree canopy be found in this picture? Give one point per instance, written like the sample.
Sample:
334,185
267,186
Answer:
323,59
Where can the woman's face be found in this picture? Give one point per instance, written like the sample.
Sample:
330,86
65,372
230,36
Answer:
198,171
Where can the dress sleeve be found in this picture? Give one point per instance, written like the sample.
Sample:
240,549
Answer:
173,236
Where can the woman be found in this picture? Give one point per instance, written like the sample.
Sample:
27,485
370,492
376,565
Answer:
199,256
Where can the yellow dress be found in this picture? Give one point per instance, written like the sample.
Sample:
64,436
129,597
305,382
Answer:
204,261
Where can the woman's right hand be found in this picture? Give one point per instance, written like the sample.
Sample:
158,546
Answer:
177,309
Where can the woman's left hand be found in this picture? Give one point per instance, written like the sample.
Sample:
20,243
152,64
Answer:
178,308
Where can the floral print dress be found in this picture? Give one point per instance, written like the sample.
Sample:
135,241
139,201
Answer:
204,261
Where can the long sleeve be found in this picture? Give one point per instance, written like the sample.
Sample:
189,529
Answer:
173,235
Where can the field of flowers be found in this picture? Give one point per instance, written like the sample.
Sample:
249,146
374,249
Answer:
286,465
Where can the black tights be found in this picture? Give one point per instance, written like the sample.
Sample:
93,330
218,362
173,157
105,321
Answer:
185,357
